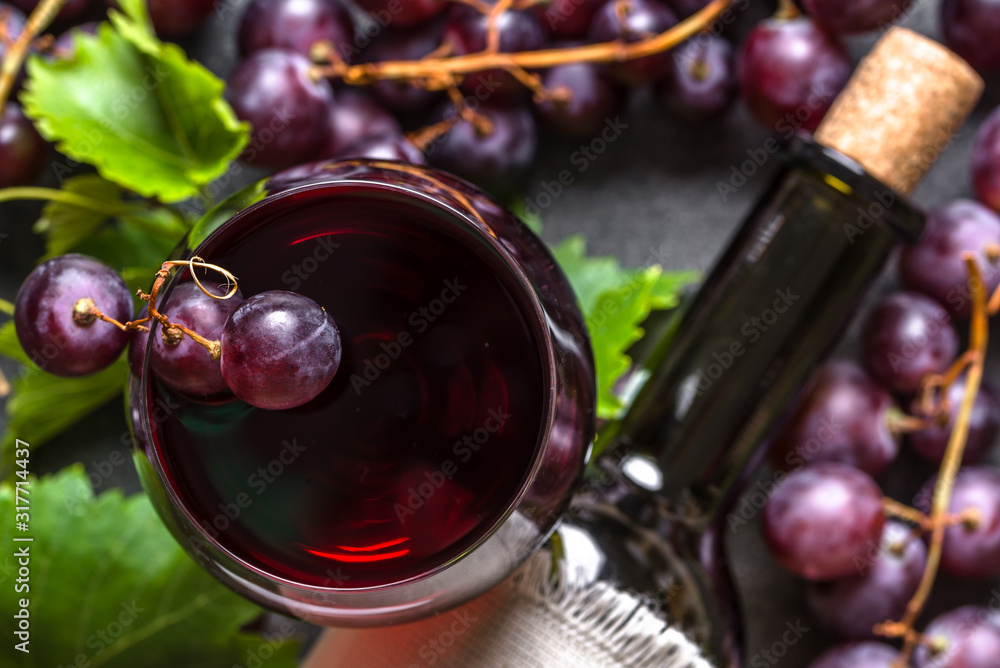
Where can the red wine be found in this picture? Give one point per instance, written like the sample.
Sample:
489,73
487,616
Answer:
427,434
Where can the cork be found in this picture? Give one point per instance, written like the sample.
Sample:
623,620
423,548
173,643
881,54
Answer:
901,108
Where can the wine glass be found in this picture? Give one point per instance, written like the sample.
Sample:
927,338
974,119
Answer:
448,443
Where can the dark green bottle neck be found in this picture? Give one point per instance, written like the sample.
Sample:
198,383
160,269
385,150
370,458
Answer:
736,354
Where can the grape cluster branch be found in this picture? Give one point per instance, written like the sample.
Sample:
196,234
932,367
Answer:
39,20
85,311
439,72
935,389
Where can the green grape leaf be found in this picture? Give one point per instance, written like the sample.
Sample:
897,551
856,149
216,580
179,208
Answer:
530,218
133,252
615,323
589,276
87,205
9,345
42,406
615,302
67,223
669,287
148,118
110,588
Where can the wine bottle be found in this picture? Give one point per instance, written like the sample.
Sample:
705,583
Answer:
634,574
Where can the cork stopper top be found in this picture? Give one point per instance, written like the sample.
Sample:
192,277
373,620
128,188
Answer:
901,108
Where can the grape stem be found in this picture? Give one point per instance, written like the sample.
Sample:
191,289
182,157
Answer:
39,20
85,311
438,72
174,331
970,517
899,422
787,10
933,399
939,519
132,211
894,508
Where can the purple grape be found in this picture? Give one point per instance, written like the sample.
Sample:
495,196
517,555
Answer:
685,8
388,147
65,46
884,582
356,117
174,18
789,72
821,519
403,97
854,16
965,637
703,85
970,30
279,350
519,31
568,18
843,416
294,25
51,336
495,161
186,365
986,161
905,337
930,443
594,98
971,551
22,149
289,111
70,10
934,266
643,19
401,13
858,655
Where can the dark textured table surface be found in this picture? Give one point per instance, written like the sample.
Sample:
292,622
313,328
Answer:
651,196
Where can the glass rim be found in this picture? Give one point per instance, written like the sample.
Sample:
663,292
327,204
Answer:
468,225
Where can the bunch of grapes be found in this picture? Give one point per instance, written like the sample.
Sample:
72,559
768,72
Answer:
826,519
274,350
488,121
788,72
